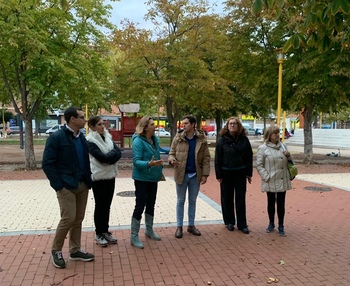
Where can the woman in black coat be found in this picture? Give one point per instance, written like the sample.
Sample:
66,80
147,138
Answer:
233,167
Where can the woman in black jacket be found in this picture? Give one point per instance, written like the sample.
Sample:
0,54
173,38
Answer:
233,167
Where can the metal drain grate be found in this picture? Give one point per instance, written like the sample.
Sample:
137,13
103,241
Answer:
126,194
318,189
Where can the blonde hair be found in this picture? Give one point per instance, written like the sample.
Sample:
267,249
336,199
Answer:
271,130
240,128
142,125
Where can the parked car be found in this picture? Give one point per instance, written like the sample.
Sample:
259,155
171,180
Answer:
57,127
161,132
53,129
250,131
12,130
41,130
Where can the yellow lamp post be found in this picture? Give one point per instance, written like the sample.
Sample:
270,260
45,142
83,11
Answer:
280,58
284,126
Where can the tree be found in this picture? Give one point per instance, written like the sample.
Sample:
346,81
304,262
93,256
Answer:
52,52
315,85
318,49
171,67
318,23
249,63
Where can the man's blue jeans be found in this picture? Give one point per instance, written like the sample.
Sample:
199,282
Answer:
193,189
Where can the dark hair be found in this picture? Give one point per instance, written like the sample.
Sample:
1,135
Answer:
190,118
71,111
93,120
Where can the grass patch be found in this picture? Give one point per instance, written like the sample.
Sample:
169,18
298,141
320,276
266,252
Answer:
15,141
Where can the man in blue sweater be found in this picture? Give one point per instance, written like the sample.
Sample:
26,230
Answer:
67,166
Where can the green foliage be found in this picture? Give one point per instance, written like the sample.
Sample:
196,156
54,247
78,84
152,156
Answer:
250,62
325,22
173,65
7,115
51,54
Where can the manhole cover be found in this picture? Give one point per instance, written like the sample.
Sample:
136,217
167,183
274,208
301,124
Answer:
126,194
318,189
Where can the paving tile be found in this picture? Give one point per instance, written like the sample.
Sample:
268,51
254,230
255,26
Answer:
23,214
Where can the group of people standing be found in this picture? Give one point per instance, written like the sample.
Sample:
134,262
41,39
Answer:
189,154
74,164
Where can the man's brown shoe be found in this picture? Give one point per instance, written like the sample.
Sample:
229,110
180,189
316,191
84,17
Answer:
193,230
178,233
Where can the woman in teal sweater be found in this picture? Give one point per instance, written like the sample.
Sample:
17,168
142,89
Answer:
146,172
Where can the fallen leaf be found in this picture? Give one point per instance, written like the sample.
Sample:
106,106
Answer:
281,262
272,280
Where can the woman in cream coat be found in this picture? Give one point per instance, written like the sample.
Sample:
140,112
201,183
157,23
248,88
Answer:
272,160
104,155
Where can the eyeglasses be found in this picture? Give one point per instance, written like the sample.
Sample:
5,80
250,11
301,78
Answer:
232,123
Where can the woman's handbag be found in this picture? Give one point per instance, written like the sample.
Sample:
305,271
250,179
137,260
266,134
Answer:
293,170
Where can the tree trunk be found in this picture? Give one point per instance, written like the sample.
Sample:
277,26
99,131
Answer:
199,121
30,163
37,127
308,144
218,122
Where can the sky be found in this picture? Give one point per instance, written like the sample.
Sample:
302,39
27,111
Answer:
135,10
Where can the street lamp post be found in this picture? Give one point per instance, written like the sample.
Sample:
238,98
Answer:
280,58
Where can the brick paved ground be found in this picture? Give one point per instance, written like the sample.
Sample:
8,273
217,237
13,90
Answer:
316,250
